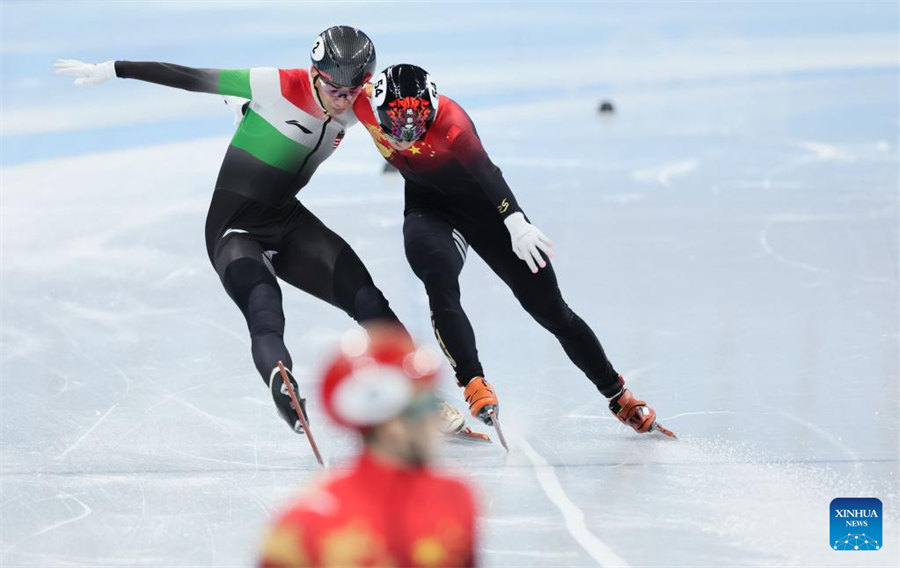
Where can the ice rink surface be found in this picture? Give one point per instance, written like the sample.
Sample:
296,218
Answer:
731,234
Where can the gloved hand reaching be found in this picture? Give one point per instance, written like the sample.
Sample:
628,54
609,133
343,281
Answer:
528,241
86,73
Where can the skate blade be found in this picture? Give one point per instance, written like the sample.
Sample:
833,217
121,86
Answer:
469,435
657,427
496,424
298,424
296,404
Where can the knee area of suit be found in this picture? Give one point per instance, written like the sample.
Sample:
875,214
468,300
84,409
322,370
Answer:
370,303
264,312
265,322
245,278
556,316
438,279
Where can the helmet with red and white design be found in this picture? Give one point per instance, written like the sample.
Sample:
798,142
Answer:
376,377
405,102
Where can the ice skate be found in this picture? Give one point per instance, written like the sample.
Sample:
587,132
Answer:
453,425
482,400
484,406
283,400
452,420
635,413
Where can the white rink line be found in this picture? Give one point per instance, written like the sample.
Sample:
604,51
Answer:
546,476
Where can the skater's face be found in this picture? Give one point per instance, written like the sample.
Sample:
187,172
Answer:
413,437
335,99
422,421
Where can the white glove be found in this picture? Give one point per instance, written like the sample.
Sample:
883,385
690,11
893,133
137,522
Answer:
86,73
528,241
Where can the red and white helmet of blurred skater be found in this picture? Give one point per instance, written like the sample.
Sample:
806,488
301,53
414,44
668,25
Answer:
375,377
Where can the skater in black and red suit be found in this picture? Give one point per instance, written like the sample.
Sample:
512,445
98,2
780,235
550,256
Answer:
456,198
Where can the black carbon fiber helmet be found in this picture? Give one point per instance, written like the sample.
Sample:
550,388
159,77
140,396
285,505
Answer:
405,102
344,55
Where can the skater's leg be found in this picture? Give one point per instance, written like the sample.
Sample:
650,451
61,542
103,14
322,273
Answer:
318,261
436,253
249,279
539,294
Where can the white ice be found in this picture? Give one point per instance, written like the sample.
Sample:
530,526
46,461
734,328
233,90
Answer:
730,233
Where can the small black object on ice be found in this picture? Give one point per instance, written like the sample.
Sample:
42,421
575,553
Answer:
606,107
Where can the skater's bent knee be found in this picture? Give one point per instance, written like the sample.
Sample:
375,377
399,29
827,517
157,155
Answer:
370,304
556,317
243,276
439,279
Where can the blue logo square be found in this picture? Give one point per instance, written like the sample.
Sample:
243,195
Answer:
856,523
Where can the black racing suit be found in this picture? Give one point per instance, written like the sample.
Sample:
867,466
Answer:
256,229
456,197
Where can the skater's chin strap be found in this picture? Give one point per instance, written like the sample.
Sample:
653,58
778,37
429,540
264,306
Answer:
315,91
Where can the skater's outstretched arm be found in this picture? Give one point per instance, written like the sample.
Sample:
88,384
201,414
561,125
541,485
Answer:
234,82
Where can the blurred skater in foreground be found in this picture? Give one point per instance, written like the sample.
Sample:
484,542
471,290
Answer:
389,508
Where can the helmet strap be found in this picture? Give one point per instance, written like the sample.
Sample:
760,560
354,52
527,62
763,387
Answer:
315,91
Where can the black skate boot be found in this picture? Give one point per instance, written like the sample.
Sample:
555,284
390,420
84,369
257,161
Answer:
283,400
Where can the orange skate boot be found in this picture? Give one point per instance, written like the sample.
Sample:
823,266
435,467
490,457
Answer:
484,406
482,400
635,413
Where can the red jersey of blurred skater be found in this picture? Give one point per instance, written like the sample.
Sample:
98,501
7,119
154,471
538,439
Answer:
448,163
377,515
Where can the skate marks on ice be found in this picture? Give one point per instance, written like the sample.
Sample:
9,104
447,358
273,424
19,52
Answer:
719,494
135,519
67,497
844,222
852,456
785,235
725,502
87,432
664,173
